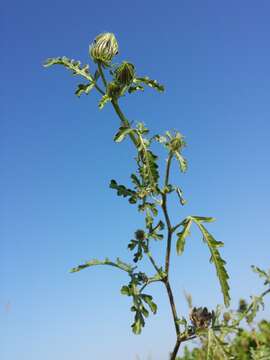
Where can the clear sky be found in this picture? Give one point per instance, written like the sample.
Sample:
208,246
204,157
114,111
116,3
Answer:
57,159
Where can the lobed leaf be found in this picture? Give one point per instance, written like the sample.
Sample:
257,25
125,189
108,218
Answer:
152,83
122,133
70,64
217,260
180,244
84,88
119,264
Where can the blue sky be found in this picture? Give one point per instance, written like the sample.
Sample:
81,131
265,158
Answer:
57,159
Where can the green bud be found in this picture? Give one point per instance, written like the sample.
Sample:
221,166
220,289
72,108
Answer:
114,90
226,317
177,142
104,48
125,73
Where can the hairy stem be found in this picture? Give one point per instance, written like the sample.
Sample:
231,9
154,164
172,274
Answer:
167,218
102,74
173,307
175,350
135,140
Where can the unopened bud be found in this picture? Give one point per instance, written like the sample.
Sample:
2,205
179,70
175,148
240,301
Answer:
226,317
140,235
104,48
125,73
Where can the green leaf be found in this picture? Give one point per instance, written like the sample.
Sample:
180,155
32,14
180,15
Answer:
217,260
135,181
106,98
179,193
84,88
262,274
121,189
133,89
149,301
125,290
180,244
152,83
181,160
73,65
203,218
122,133
119,264
210,343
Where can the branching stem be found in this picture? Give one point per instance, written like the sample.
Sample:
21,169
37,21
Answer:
170,229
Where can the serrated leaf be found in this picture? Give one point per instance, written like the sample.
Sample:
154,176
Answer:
72,65
149,300
133,89
123,191
119,264
262,274
106,98
122,133
135,181
204,218
181,160
217,260
180,244
84,88
125,290
152,83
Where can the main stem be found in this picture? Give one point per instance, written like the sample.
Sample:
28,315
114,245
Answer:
167,260
126,123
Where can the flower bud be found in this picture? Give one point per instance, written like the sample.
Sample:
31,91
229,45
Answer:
201,317
140,235
226,317
125,73
104,48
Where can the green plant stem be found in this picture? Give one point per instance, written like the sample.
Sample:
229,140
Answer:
167,218
102,74
126,123
153,262
99,89
245,313
175,350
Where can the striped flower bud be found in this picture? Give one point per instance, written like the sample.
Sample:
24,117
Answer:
104,48
125,74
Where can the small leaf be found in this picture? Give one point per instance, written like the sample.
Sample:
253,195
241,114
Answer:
106,98
204,218
133,89
149,300
84,88
180,244
125,290
181,160
152,83
122,133
123,191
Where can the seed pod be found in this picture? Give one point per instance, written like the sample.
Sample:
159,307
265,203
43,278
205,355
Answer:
201,317
104,48
125,74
